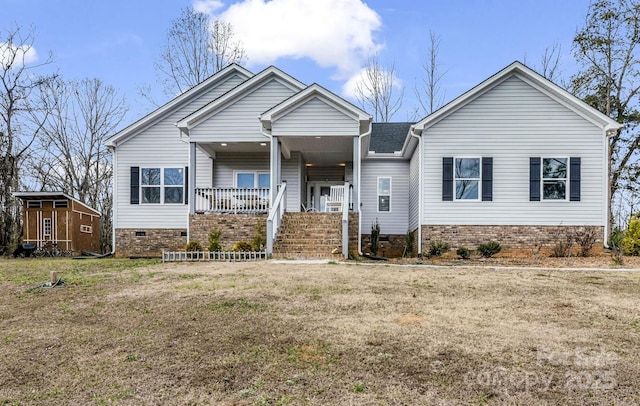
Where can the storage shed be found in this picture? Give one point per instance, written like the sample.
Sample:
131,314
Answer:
50,218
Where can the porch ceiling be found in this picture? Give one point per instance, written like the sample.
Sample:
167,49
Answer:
213,147
321,151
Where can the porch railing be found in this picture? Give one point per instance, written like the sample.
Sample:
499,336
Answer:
232,200
275,216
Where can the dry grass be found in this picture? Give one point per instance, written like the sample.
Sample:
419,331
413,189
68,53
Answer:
124,332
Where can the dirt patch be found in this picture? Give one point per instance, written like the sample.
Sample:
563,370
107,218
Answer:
297,333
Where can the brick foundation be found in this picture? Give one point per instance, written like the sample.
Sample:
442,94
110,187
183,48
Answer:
515,240
390,245
234,227
150,244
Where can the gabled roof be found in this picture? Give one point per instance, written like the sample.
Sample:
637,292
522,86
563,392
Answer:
387,138
316,91
172,105
530,77
52,196
236,93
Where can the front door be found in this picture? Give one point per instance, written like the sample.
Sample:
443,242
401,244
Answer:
317,194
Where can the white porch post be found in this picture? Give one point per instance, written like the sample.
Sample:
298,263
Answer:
192,178
356,174
275,168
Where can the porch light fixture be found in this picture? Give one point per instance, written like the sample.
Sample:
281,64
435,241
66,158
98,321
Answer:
224,144
308,164
342,164
317,138
263,144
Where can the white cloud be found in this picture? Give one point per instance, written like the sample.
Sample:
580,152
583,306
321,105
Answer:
349,87
334,33
22,54
207,6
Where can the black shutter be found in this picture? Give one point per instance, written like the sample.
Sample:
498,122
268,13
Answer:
487,179
186,185
534,179
447,179
134,194
574,179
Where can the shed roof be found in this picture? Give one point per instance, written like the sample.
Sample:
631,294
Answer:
52,196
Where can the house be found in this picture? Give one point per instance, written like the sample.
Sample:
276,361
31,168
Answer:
55,218
516,159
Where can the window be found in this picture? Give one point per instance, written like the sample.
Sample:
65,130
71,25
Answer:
86,229
34,204
384,194
246,179
554,178
61,204
46,225
467,178
162,185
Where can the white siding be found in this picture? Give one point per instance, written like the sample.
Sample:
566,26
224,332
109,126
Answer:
291,173
395,221
239,121
315,118
511,123
414,190
204,169
226,163
159,146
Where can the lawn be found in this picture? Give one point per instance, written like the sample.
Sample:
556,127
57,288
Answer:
266,333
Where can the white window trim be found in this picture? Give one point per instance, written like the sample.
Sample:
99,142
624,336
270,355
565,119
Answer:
46,221
378,193
86,229
162,185
256,174
566,180
455,194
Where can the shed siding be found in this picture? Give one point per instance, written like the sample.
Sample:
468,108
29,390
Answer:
395,221
511,123
315,118
414,190
159,145
239,120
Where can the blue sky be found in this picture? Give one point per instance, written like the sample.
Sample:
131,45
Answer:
323,41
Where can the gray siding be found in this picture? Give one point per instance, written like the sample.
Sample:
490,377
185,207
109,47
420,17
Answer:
239,120
291,173
227,163
395,221
315,118
159,145
512,122
414,190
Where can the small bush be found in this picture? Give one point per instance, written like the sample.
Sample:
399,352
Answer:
193,246
214,240
489,249
631,239
586,239
242,246
409,240
615,243
375,237
259,236
438,247
463,252
563,243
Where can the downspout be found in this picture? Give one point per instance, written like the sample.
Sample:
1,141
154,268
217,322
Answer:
358,191
420,188
114,209
607,196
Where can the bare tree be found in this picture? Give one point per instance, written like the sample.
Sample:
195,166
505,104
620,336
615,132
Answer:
429,94
377,90
607,50
195,49
550,63
20,122
71,155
